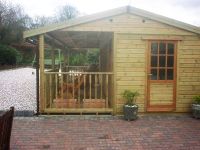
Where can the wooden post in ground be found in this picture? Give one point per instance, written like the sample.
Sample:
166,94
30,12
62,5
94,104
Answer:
42,77
53,58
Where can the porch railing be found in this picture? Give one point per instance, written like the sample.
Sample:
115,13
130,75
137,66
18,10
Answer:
78,90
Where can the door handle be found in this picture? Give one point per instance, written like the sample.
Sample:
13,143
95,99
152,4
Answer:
150,74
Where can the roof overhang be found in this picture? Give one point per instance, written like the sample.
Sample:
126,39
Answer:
110,13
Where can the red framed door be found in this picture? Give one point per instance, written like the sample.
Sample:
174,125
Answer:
161,86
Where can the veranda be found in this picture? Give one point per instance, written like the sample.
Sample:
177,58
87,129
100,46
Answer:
66,88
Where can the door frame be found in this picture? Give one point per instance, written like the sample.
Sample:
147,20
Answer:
161,108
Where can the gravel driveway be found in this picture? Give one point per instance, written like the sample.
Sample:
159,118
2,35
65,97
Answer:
18,89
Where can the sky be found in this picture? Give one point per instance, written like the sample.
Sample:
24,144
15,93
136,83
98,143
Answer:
187,11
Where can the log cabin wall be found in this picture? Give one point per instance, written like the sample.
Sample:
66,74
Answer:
131,36
188,67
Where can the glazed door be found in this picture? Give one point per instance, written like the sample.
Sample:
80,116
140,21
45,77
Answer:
161,76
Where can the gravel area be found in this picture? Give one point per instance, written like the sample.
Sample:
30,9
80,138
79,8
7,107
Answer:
18,89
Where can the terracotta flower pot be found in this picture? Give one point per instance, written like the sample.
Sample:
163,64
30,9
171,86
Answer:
93,103
66,103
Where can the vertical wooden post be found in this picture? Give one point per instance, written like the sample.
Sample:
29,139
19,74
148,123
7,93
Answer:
79,91
42,77
50,85
114,48
67,85
84,86
95,86
65,51
101,83
53,58
56,78
73,74
107,90
90,81
61,85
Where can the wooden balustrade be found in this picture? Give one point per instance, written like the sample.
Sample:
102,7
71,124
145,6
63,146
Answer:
78,89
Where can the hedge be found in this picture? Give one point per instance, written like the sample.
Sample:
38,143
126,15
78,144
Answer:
9,55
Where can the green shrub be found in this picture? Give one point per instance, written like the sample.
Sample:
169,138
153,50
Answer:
130,97
9,55
77,59
27,56
196,99
93,56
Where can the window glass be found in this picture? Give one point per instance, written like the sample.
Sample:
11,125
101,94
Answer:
162,61
154,48
153,74
170,48
154,61
170,61
170,74
162,74
162,48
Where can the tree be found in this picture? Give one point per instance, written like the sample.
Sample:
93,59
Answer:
13,22
40,21
66,12
9,55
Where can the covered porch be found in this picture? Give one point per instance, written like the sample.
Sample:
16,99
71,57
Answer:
78,79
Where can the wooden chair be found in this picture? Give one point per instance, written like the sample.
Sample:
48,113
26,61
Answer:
6,120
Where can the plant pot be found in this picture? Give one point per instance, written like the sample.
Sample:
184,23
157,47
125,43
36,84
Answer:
196,110
130,112
94,103
66,103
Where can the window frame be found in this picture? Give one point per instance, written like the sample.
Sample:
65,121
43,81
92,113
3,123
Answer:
166,68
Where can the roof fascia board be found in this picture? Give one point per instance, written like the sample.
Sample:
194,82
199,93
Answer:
166,20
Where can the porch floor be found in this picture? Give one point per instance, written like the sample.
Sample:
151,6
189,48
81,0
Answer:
79,110
105,132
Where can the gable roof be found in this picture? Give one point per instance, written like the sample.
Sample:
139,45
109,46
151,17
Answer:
110,13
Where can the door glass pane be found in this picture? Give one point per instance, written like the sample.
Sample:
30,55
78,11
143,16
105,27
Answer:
170,61
154,48
170,74
162,48
162,74
170,48
154,61
162,61
153,74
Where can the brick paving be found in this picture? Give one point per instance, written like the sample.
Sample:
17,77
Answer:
154,132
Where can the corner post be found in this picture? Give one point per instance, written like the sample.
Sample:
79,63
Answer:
41,70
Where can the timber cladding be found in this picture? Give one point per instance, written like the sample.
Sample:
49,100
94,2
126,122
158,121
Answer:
128,23
133,32
132,35
130,68
188,72
131,72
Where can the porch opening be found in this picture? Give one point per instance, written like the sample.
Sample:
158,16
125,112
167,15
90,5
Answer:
78,72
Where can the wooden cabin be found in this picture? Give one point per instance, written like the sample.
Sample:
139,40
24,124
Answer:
138,50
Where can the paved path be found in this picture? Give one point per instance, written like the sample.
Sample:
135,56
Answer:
154,132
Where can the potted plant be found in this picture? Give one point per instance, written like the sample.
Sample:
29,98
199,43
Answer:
196,107
130,109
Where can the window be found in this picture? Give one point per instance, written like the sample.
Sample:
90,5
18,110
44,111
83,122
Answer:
162,60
